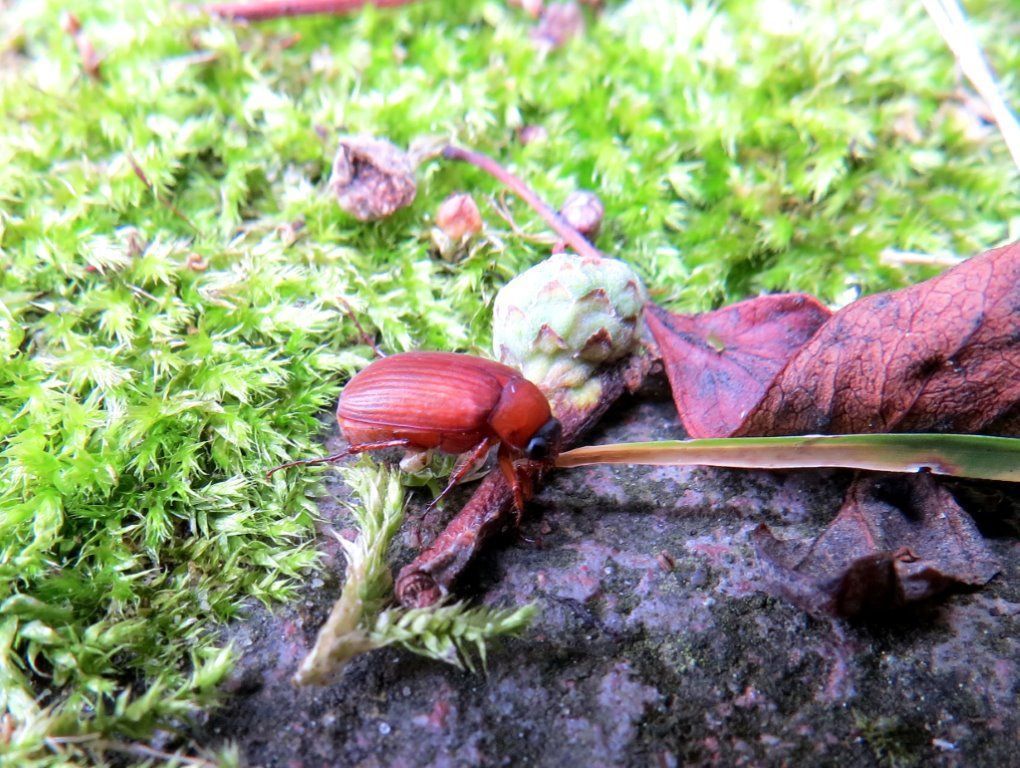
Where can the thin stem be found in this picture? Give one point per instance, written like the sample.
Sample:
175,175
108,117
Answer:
573,238
364,334
499,206
898,258
95,742
260,10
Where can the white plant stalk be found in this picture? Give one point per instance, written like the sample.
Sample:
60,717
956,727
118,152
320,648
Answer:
359,622
952,25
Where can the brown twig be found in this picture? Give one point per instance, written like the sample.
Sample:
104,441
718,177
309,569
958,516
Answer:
90,60
573,238
432,574
261,10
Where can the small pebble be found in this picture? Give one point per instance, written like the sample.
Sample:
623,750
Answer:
665,561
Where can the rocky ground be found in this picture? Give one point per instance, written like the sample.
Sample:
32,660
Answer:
658,643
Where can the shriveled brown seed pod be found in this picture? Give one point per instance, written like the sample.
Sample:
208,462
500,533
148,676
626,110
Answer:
372,178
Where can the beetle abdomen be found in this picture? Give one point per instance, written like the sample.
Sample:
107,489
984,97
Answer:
359,433
425,392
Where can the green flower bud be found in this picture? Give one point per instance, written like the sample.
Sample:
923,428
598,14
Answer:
563,318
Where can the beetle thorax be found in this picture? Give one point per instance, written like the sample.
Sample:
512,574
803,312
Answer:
521,411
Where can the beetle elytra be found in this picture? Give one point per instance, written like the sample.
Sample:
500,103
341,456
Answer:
458,404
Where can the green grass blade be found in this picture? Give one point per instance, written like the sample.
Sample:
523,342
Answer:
975,456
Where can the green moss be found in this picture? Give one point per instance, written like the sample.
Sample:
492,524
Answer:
893,743
142,399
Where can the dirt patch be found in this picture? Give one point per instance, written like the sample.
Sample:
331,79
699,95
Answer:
656,645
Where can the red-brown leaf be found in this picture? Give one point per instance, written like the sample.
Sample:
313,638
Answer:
720,363
939,356
896,540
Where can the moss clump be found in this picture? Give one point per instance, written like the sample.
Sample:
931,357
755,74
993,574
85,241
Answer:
166,340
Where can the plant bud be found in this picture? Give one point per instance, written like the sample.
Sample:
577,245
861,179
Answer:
563,318
560,22
531,134
458,217
70,23
583,211
531,7
372,178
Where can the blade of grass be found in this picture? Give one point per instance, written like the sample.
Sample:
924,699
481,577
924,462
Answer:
952,24
974,456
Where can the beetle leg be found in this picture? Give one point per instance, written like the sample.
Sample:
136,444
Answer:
513,477
522,492
350,450
463,468
524,480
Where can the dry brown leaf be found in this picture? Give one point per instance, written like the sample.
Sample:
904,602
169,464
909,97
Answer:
896,540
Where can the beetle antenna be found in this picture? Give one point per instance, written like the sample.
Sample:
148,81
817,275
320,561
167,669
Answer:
311,462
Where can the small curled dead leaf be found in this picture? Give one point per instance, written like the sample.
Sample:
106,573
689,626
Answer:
896,540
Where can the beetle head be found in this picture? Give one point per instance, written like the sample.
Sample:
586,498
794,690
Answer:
545,443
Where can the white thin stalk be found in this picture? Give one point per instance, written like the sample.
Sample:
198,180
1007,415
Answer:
952,25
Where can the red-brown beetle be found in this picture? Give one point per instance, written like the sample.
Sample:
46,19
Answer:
458,404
